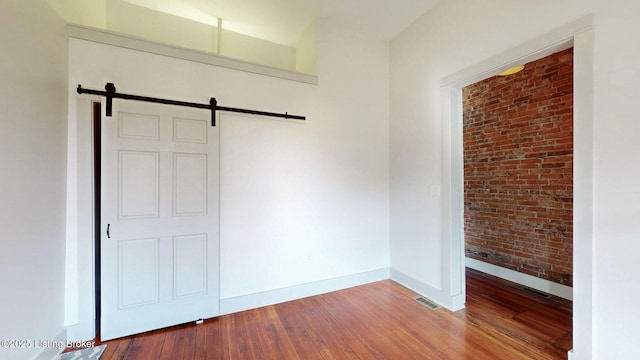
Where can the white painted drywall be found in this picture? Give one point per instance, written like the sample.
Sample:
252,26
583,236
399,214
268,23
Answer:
301,202
616,280
33,162
251,49
457,34
123,17
307,51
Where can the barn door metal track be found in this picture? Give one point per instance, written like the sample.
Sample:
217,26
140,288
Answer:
110,93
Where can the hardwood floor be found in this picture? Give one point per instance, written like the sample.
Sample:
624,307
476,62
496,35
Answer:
374,321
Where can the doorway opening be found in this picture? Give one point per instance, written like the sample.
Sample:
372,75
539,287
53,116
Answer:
517,132
579,35
518,174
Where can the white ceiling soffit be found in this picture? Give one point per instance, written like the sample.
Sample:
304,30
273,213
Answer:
283,21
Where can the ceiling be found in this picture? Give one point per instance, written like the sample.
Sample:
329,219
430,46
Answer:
283,21
382,19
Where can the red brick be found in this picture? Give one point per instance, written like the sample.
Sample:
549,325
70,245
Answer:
518,168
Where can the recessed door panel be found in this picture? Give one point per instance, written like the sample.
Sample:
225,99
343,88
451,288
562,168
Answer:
138,184
190,265
139,126
138,272
190,184
190,130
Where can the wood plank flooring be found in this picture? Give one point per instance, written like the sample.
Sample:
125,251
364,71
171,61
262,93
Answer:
374,321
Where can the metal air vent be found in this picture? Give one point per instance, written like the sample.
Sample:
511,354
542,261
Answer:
428,303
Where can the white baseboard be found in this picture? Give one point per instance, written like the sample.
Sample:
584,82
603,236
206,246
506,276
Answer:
533,282
451,302
253,301
54,348
570,354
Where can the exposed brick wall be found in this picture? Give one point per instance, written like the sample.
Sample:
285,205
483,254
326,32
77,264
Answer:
518,169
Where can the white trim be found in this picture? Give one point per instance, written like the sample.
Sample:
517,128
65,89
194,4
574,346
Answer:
578,33
570,354
533,282
542,46
583,195
52,352
80,305
266,298
452,199
451,302
134,43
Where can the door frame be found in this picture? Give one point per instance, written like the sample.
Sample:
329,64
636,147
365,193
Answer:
579,35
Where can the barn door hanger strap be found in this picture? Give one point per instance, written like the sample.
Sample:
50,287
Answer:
110,93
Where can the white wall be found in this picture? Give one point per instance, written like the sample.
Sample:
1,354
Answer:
457,34
33,162
307,52
248,48
301,202
616,278
123,17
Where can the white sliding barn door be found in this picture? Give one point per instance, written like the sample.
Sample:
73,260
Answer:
159,218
